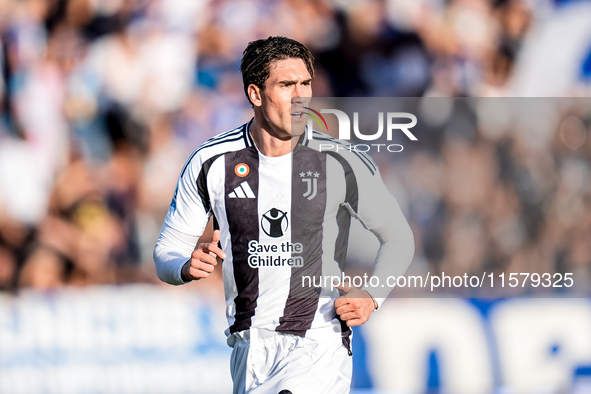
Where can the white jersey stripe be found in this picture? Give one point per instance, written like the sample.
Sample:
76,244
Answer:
275,178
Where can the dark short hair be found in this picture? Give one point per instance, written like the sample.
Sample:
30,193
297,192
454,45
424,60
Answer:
258,56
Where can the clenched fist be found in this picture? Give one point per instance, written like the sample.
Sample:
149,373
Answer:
354,306
203,260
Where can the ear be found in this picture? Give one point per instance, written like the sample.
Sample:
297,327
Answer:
254,93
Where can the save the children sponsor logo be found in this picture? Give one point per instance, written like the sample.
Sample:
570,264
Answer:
274,222
284,254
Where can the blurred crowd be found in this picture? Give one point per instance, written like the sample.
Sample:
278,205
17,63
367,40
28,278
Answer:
102,101
500,185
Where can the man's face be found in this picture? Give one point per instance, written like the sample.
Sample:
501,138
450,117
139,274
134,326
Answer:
287,90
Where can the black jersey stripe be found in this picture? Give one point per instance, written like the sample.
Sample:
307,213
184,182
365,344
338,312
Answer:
344,226
343,215
243,227
202,182
307,217
364,158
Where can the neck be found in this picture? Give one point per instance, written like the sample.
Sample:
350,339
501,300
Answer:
268,141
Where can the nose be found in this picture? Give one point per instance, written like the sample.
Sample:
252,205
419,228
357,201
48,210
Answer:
299,93
298,100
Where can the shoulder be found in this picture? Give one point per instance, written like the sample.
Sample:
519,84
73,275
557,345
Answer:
343,151
229,141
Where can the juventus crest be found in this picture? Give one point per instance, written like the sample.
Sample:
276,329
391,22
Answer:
311,179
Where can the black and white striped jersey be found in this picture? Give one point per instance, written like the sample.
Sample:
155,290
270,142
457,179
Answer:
281,219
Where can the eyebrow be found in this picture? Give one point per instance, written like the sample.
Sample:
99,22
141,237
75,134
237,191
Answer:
291,81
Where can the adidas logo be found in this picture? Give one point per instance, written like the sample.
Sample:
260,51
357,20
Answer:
242,191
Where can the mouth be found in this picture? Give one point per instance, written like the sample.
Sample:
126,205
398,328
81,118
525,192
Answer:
296,115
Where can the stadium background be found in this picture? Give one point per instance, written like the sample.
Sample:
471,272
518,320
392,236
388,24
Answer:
102,101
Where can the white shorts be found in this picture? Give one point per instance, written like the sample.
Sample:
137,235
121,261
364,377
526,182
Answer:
266,362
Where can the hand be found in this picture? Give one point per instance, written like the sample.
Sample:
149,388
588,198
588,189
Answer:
203,260
355,306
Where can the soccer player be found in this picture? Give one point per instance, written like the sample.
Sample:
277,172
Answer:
282,211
